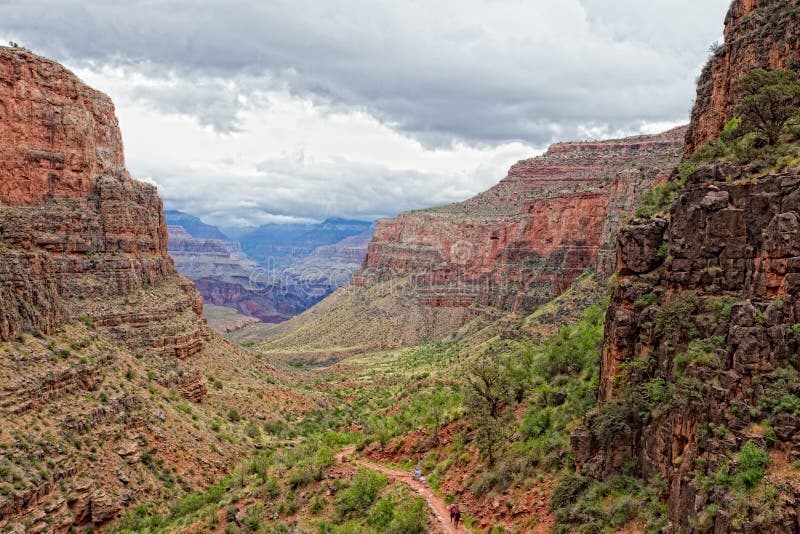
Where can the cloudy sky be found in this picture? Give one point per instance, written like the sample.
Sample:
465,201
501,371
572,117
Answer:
252,111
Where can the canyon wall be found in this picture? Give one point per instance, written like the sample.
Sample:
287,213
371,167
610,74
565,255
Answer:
758,34
701,337
511,248
106,357
525,240
78,232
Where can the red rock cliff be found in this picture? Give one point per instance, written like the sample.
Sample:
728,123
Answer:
758,34
527,239
78,233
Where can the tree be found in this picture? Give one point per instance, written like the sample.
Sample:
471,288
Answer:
769,102
487,393
488,388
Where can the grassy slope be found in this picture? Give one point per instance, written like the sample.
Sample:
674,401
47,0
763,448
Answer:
403,406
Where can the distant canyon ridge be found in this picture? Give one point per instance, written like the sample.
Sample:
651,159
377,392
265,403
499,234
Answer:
269,274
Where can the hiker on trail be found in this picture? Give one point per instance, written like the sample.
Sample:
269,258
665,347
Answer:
453,510
457,518
417,474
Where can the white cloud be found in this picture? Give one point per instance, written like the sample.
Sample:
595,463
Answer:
248,110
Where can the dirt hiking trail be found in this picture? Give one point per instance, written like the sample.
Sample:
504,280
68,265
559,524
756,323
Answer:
436,505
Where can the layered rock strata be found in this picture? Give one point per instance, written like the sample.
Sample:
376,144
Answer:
77,231
106,359
524,241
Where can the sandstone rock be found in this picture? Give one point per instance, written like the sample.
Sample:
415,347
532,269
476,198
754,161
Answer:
78,232
104,506
193,387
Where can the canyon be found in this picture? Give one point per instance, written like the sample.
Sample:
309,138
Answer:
511,248
310,262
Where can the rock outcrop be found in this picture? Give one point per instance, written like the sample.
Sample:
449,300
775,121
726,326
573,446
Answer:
699,362
711,322
758,34
78,232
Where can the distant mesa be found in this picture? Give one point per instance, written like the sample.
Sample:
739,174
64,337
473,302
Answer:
290,267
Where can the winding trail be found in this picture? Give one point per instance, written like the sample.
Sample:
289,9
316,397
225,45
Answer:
436,505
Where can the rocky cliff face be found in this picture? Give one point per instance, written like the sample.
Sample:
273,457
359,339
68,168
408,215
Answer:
511,248
77,231
701,338
758,34
711,323
104,345
524,241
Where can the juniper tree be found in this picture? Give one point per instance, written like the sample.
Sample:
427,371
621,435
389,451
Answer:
769,103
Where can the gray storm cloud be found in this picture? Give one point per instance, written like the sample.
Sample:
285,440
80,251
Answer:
480,73
481,70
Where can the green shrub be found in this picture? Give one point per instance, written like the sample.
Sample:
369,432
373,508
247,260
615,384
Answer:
233,416
271,488
411,518
253,520
318,505
362,492
536,422
381,514
672,318
252,430
752,461
567,491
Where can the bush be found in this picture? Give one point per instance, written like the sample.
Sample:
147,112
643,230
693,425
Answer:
252,430
612,419
752,461
410,519
233,416
253,519
381,514
272,488
362,492
318,505
567,491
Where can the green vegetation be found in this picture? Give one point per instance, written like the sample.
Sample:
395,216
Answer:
766,128
769,103
750,469
658,200
602,506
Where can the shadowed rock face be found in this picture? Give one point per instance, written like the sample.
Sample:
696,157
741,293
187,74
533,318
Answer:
526,240
729,288
707,308
79,234
758,34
